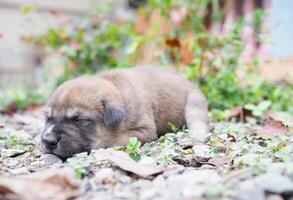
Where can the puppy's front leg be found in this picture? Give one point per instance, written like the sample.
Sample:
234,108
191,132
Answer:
143,134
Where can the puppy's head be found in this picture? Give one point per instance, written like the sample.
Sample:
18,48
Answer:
82,114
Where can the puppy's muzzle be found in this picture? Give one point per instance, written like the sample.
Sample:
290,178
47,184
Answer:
50,140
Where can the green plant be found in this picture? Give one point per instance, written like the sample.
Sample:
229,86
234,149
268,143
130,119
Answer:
17,140
258,110
90,45
80,163
20,98
133,147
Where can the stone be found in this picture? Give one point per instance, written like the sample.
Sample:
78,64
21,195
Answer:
50,159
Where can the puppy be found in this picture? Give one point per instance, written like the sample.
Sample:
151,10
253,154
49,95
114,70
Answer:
107,109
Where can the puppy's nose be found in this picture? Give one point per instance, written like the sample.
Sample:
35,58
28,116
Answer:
50,141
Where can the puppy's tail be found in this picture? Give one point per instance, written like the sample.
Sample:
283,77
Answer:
196,116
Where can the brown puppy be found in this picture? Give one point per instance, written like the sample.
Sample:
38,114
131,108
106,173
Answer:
106,109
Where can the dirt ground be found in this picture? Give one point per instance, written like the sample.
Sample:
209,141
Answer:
241,161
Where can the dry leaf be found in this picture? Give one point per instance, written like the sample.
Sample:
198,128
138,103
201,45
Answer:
218,161
186,54
9,109
123,161
275,124
191,161
285,118
173,42
57,185
239,113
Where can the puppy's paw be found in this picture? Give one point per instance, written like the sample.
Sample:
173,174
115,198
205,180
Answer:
200,134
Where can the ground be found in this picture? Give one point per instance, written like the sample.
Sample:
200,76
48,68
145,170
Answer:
241,161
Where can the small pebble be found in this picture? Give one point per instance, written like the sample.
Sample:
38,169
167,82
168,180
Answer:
104,173
19,171
50,158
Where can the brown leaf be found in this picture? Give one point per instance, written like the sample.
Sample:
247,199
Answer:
54,13
59,185
141,23
190,161
240,113
123,161
237,112
275,124
31,106
186,54
173,42
285,118
9,109
218,161
231,138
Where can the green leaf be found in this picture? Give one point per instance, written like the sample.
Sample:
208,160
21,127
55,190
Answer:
264,105
249,106
28,9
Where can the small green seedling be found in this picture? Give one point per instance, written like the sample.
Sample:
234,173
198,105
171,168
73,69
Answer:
133,147
173,127
80,162
260,109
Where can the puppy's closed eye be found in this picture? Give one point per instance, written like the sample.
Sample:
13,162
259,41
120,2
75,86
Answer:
82,120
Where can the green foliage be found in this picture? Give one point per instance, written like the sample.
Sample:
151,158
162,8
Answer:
80,163
27,9
133,147
17,141
89,45
20,98
258,110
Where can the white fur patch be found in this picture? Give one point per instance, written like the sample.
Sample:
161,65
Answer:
48,130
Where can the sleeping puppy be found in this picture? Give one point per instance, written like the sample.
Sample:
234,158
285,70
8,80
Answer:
107,109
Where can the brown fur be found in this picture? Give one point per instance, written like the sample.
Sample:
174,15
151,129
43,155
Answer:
137,102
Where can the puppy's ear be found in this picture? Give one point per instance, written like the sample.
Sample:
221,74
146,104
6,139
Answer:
112,116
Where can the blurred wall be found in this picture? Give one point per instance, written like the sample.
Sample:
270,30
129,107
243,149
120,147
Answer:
282,28
18,62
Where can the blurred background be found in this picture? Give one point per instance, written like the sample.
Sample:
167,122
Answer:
238,52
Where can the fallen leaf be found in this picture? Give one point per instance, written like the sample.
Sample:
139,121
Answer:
231,138
187,144
173,42
236,112
31,106
186,54
239,112
59,185
218,161
9,109
123,161
285,118
272,127
54,13
191,161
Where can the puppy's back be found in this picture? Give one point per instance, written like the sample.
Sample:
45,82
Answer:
157,92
